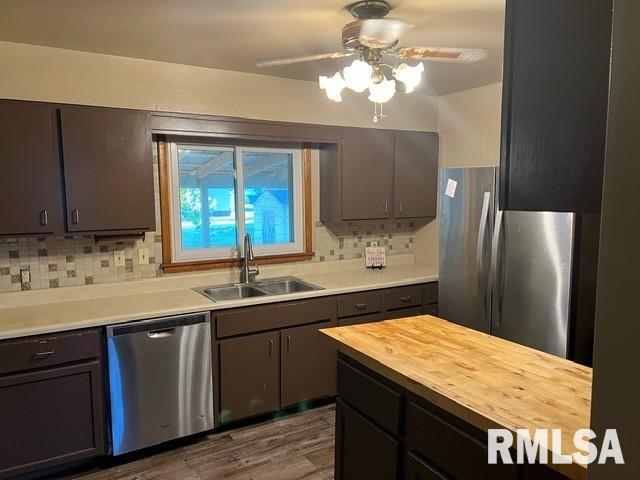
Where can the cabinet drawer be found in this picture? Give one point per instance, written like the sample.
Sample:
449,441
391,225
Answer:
376,400
276,315
443,445
46,351
403,297
403,313
430,293
360,303
372,317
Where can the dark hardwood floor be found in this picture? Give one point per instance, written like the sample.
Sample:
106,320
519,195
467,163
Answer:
298,446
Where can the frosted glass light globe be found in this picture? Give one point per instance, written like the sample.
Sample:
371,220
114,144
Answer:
383,91
408,75
333,86
357,76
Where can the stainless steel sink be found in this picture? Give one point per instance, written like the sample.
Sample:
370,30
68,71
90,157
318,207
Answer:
230,292
272,286
279,286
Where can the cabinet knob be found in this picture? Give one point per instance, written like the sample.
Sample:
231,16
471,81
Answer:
44,218
75,217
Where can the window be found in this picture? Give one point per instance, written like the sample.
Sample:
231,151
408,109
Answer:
219,193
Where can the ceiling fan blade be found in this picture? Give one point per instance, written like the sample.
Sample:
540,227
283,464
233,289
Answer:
381,32
441,54
274,62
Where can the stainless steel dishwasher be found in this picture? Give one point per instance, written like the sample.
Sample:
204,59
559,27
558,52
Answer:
159,380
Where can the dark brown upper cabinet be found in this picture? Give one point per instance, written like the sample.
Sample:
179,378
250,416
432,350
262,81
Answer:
367,170
108,169
378,175
30,182
416,170
554,107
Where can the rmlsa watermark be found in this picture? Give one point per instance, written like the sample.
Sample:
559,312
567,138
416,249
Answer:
536,448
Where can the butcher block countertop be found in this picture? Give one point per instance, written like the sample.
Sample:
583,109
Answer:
487,381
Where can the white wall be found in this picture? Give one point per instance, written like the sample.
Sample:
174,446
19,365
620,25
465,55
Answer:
30,72
469,128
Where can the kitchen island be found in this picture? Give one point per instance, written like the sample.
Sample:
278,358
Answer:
416,397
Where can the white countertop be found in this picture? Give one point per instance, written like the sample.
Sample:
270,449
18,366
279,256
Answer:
90,306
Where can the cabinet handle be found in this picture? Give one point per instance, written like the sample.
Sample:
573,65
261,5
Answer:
401,207
44,218
361,306
386,207
288,343
405,299
270,346
43,354
75,217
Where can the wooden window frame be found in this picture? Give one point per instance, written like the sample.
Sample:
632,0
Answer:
168,264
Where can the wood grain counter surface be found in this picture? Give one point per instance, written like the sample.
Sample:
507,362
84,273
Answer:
487,381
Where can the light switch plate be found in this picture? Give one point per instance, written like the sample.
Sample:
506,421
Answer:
143,256
118,258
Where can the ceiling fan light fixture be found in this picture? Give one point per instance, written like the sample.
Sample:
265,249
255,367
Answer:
333,86
357,76
383,91
410,76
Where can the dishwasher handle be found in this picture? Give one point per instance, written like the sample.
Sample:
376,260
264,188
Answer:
164,332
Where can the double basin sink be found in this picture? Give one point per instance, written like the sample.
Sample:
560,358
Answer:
262,288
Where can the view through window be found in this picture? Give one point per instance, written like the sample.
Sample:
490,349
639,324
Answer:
221,193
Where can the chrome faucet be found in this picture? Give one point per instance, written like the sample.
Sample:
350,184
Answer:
248,274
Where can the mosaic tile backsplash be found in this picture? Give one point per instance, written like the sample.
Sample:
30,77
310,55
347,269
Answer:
78,260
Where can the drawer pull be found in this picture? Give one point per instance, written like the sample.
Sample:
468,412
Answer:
361,306
406,299
38,355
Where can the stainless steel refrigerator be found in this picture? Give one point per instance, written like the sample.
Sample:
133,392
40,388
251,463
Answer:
528,277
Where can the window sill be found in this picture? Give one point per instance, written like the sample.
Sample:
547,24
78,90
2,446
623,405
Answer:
236,262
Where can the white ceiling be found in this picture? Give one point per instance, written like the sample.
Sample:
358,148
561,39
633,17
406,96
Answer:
232,34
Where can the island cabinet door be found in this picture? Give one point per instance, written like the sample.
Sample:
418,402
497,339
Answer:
249,376
367,173
308,364
50,417
363,451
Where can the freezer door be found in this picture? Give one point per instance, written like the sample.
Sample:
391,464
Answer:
531,278
466,218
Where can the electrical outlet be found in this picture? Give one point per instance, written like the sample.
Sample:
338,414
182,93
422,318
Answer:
143,256
118,258
25,275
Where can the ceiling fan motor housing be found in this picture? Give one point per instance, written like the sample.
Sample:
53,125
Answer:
369,9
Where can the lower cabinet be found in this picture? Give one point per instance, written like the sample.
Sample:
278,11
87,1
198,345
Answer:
249,376
49,416
362,449
308,364
288,363
386,432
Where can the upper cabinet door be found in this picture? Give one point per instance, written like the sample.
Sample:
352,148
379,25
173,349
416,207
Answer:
30,181
555,95
108,169
416,175
367,172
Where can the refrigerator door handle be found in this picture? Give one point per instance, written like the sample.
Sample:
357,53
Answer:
482,231
493,285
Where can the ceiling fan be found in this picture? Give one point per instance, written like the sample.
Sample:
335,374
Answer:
370,36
